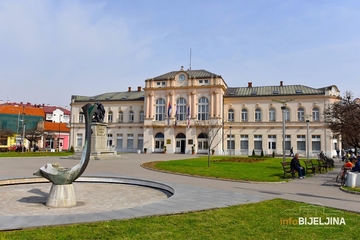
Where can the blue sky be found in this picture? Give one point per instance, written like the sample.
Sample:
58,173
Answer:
50,50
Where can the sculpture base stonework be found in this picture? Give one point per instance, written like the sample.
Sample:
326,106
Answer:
99,146
61,196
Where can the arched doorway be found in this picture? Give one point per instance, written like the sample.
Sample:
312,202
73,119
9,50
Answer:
180,143
159,142
202,143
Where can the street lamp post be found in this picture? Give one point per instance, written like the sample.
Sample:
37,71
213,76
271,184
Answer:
230,141
307,138
283,108
59,133
23,138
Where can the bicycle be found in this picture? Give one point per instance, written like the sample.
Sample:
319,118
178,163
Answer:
341,177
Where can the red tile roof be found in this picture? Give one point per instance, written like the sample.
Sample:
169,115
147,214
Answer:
54,127
31,111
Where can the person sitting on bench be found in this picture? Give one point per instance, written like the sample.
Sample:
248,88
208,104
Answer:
295,165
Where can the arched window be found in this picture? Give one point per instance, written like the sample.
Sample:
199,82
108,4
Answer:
160,110
159,142
287,115
110,117
316,114
180,135
121,116
203,109
244,115
272,115
180,111
301,114
258,115
231,115
131,116
141,116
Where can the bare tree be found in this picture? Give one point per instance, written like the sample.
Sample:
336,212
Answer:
343,118
35,133
211,130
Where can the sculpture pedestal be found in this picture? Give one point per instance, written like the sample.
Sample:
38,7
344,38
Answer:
61,196
99,140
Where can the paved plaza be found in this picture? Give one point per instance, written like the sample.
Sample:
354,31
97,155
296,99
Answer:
22,206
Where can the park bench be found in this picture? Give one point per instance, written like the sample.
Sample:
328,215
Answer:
322,165
287,169
310,166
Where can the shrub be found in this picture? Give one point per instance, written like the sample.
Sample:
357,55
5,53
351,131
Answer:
273,154
253,153
262,153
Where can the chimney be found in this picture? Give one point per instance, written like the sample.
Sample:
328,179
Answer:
129,89
249,84
139,89
281,83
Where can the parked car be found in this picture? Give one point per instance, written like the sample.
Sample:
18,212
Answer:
17,148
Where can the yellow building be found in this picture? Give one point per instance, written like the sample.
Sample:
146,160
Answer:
173,109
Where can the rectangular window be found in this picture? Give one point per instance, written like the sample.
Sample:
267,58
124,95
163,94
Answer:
119,141
287,142
130,141
142,116
109,140
257,142
272,142
230,141
301,142
79,139
244,142
3,141
316,143
81,118
140,142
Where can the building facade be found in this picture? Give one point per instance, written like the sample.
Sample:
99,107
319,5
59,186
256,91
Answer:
46,126
195,109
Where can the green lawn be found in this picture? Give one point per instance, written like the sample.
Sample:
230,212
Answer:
263,170
273,219
34,154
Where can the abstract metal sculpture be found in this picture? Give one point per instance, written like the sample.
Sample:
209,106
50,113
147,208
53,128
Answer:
62,193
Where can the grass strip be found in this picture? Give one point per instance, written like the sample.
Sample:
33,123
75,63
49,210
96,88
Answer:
272,219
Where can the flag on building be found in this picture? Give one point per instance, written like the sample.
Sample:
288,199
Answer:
188,116
176,113
169,113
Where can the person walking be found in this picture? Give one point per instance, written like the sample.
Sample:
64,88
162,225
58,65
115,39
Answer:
291,152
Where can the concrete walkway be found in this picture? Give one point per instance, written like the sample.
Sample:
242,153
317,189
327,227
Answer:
191,193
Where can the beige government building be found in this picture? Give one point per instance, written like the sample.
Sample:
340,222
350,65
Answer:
248,118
